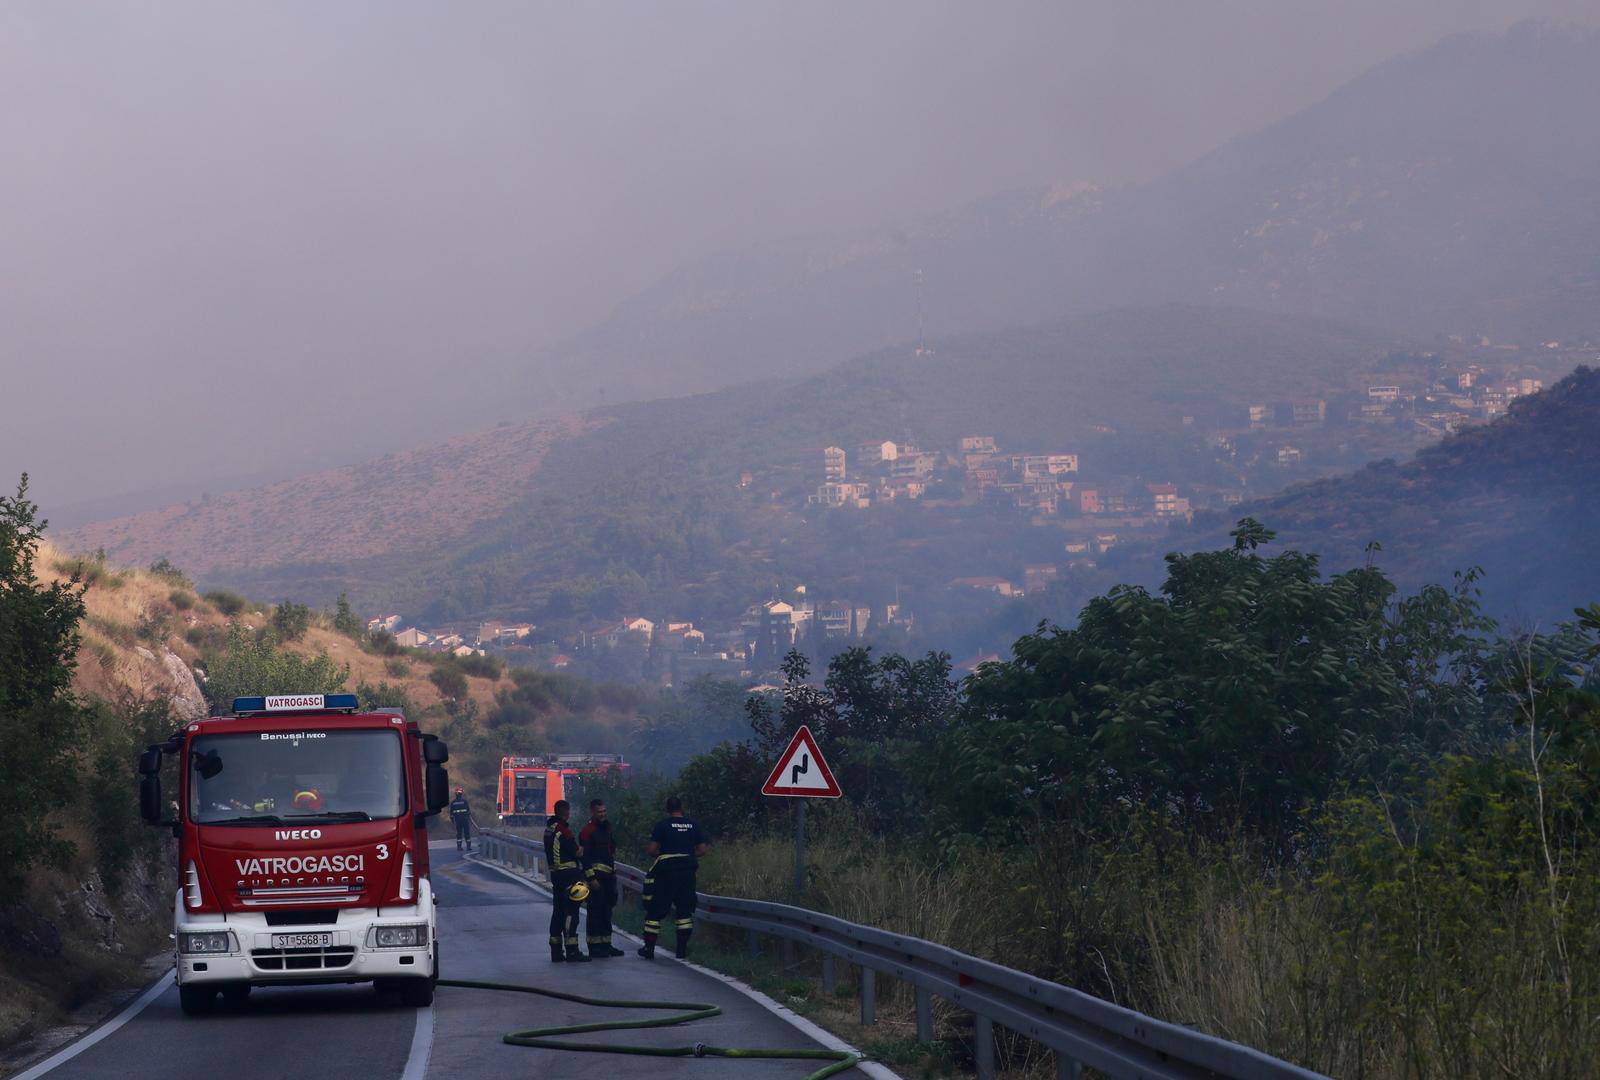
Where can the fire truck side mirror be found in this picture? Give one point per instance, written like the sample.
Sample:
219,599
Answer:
150,798
434,750
150,762
437,781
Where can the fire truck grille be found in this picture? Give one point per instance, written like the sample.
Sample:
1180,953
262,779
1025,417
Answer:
334,956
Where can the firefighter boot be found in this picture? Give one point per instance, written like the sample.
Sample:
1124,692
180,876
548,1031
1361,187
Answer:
556,955
681,951
576,956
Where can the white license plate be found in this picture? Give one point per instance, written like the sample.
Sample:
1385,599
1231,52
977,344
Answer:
301,941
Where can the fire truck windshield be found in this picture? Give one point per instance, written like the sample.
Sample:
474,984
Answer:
273,777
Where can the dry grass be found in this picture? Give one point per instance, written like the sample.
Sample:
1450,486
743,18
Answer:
371,668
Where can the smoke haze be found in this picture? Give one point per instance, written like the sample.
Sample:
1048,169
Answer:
240,241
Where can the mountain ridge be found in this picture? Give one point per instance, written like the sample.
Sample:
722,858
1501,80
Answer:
1451,189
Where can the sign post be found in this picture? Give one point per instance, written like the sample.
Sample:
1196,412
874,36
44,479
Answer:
801,774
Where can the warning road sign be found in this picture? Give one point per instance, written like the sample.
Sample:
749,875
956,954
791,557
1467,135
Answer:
801,772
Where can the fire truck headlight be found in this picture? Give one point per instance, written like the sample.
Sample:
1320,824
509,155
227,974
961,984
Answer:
397,937
206,944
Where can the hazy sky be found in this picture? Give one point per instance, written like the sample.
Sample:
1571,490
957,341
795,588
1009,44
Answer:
240,239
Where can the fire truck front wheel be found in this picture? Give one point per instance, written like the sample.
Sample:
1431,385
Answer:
416,993
197,1000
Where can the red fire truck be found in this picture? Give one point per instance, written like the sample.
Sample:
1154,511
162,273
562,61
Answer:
530,787
302,847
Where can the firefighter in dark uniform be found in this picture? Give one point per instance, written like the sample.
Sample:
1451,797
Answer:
561,852
461,816
599,860
677,845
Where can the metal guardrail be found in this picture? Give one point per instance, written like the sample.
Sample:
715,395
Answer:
1080,1028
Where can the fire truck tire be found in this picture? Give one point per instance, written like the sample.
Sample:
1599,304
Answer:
416,993
197,1000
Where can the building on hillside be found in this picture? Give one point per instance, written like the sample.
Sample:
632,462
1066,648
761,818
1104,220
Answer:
842,494
1289,456
1032,465
903,487
1167,503
1259,415
998,586
411,638
718,665
489,631
1038,578
833,463
1309,412
1387,394
772,628
835,619
1088,499
1104,542
681,637
877,453
384,623
977,444
914,463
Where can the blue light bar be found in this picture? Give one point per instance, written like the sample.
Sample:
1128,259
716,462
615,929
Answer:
295,703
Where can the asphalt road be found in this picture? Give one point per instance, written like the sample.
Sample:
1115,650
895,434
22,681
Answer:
491,928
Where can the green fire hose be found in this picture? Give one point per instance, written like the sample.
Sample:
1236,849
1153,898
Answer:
545,1038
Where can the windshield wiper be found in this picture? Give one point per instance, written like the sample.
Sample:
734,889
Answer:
255,819
334,815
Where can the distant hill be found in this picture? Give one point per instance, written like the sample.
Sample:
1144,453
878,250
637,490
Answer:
1452,190
418,499
1519,498
640,504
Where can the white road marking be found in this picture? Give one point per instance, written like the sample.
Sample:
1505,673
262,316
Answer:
789,1016
72,1050
421,1046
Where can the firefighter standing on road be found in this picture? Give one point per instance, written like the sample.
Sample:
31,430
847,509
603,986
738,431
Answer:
677,845
461,815
561,851
599,858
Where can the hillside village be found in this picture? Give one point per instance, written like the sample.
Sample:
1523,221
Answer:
1091,505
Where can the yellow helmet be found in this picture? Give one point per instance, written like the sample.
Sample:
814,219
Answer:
578,892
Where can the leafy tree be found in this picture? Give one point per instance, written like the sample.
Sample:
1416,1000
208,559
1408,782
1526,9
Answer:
346,621
290,620
1249,690
450,681
40,720
250,664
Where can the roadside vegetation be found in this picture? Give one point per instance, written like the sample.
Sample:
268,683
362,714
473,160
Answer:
1356,829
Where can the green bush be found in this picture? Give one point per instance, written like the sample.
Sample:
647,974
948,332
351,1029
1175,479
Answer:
451,682
396,667
163,568
291,620
226,602
181,599
249,664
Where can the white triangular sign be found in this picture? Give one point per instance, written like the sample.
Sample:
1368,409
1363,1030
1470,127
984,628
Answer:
801,771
